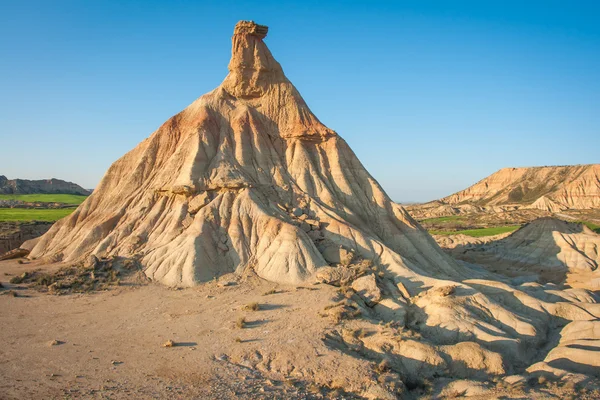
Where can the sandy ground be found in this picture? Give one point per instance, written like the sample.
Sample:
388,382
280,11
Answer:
111,345
111,342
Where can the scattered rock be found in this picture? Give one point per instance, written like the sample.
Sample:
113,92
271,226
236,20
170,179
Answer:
305,227
55,343
366,287
336,254
297,212
91,262
403,291
15,253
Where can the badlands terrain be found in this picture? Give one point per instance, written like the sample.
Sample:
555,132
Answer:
243,251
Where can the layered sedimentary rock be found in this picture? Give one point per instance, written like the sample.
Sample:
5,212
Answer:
551,189
47,186
14,234
553,249
574,186
246,177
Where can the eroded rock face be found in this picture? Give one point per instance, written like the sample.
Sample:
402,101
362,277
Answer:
552,249
14,234
550,189
577,351
219,187
575,186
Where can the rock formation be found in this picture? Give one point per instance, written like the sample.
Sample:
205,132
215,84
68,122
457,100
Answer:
246,177
13,234
576,186
551,189
555,250
46,186
247,180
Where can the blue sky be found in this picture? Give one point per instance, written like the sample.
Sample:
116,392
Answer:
431,95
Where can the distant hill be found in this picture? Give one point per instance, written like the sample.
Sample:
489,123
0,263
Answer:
551,189
45,186
575,186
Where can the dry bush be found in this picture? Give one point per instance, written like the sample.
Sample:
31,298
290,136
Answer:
238,340
251,307
346,291
15,280
272,291
382,367
240,323
169,343
445,290
78,278
313,388
20,262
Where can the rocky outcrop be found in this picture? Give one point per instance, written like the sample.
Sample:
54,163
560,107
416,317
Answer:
245,178
552,249
14,234
551,189
574,186
46,186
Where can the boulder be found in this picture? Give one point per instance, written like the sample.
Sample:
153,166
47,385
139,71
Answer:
366,287
15,253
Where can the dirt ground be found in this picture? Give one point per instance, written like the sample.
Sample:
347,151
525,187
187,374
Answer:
109,345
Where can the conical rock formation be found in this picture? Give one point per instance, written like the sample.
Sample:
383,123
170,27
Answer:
213,190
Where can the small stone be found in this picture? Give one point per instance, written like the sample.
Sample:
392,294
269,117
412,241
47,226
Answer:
315,235
168,343
91,261
55,343
297,212
305,227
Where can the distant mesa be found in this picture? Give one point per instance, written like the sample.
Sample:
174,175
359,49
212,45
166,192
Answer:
552,189
43,186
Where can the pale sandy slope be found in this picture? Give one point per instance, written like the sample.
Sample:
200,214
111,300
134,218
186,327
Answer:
111,347
552,249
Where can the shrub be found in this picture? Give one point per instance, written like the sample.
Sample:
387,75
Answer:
251,307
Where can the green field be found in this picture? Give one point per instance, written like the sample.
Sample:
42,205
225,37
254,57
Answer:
591,225
45,198
28,214
496,230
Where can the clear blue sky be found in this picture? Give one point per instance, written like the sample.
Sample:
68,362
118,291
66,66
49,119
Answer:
431,95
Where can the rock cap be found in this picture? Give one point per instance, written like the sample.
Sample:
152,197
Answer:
251,28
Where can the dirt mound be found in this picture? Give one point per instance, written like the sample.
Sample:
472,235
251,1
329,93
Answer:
551,248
